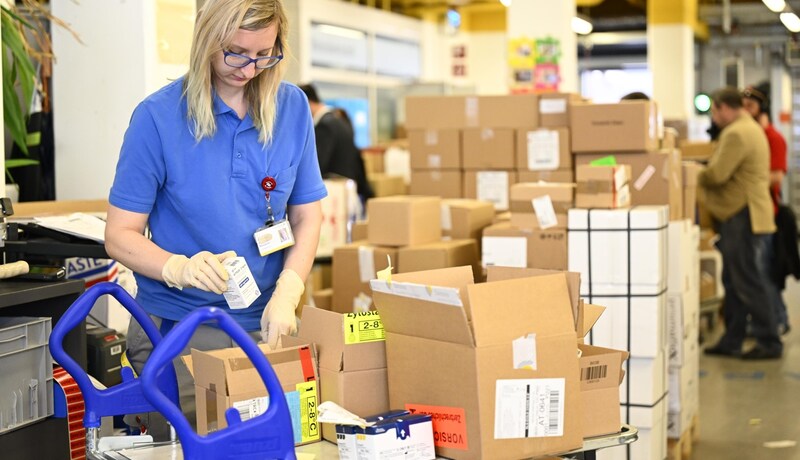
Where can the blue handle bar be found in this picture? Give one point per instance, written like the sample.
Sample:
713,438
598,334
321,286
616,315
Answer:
126,397
267,436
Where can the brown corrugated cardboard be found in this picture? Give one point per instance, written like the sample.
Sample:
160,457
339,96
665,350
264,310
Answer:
387,185
554,109
442,254
404,220
690,171
696,150
446,112
323,299
466,218
492,186
352,372
559,175
358,231
353,266
523,215
604,187
670,139
49,208
488,148
601,374
226,378
478,376
373,160
434,149
680,126
632,126
446,184
656,178
506,245
543,149
573,286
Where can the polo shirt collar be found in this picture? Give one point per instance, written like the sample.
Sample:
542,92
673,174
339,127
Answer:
220,106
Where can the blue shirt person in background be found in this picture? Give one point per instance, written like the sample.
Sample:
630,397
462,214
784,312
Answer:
191,169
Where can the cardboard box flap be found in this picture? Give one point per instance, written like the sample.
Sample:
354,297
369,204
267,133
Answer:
495,273
422,310
456,277
601,367
591,313
324,328
507,310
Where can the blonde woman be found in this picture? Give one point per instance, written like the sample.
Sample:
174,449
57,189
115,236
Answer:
213,164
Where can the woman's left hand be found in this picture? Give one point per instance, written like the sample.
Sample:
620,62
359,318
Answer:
279,315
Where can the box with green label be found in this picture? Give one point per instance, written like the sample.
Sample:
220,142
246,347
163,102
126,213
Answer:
352,360
226,378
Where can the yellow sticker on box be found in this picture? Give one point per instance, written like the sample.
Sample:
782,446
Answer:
363,327
309,426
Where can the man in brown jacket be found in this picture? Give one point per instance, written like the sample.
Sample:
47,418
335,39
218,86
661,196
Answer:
736,185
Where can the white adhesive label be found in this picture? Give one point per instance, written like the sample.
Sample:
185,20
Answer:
505,251
552,106
492,186
644,177
434,160
437,294
431,137
447,220
252,407
471,110
366,263
525,352
545,213
529,408
544,152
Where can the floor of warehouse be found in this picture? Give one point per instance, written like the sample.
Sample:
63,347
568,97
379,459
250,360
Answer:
746,404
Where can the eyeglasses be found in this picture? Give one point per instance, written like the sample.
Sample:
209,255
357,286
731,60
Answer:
239,60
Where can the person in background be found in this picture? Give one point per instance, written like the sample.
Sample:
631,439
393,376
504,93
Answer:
336,148
635,96
737,195
756,102
210,164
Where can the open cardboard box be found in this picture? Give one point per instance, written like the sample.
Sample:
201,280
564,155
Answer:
352,360
227,378
503,378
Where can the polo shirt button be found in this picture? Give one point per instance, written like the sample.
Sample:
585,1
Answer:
239,155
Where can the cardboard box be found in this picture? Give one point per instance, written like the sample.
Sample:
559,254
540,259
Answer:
466,218
648,381
701,151
387,185
638,325
691,170
559,175
606,187
601,374
446,184
226,378
448,112
358,231
373,160
354,265
337,209
670,139
679,127
652,442
442,254
488,148
684,395
404,220
505,245
631,261
492,186
628,126
554,109
684,257
442,313
346,434
323,299
683,326
553,201
435,148
656,178
543,149
411,436
711,286
352,360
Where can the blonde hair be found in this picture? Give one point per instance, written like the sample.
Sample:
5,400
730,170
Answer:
217,22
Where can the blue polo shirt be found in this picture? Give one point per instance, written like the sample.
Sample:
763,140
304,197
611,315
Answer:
207,195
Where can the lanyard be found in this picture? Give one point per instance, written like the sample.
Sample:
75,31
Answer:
268,184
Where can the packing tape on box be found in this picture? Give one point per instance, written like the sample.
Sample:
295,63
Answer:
594,186
526,206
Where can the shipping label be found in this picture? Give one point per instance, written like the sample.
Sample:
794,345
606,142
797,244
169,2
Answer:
309,426
449,425
543,150
529,408
363,327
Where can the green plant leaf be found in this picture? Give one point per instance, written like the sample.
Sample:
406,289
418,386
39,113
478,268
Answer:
19,162
14,40
12,111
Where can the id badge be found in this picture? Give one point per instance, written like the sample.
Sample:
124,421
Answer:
274,237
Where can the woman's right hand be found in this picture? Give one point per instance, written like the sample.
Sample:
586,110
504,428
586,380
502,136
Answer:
203,270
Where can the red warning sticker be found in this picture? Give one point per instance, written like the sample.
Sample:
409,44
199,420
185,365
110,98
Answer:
449,425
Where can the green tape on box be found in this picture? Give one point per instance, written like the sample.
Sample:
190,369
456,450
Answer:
610,160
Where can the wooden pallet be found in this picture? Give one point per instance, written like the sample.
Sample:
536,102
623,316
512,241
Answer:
681,448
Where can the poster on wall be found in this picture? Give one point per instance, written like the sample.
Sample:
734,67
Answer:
534,64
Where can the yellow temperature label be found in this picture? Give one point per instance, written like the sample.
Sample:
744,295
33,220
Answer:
363,327
309,426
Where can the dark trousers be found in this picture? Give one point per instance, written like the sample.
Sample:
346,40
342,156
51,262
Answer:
748,289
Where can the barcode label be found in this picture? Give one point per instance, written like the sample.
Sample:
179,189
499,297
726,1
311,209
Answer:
251,408
594,372
529,408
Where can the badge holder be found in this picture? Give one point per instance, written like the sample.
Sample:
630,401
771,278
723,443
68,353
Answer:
272,236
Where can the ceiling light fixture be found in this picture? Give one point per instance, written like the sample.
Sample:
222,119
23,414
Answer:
581,26
791,21
775,5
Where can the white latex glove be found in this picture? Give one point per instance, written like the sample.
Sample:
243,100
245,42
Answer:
279,315
203,271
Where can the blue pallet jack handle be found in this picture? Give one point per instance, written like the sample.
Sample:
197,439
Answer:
266,436
123,398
